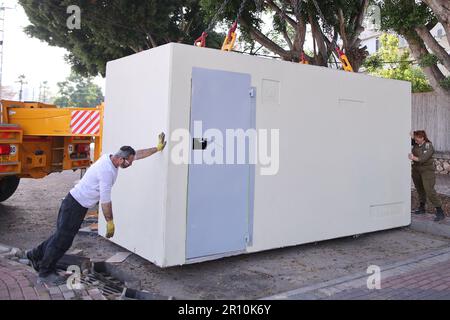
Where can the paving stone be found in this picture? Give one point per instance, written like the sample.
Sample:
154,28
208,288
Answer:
423,278
44,296
54,290
441,287
94,291
4,249
75,252
64,288
19,282
98,297
31,296
118,257
68,295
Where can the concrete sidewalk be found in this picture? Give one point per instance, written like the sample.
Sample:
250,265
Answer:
425,223
423,278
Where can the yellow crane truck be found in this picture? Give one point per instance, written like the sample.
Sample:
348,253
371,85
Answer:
37,139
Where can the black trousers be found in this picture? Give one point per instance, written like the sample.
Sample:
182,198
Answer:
70,217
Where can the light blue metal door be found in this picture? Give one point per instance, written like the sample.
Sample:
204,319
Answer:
219,195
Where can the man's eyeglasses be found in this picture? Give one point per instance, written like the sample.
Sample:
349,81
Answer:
126,162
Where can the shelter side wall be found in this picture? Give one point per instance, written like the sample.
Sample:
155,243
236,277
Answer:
137,95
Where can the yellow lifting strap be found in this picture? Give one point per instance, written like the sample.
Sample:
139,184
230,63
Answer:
344,60
228,44
230,39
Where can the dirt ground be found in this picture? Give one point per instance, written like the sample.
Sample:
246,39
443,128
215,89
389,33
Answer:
29,217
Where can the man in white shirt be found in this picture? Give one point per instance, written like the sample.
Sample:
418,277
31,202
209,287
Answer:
95,187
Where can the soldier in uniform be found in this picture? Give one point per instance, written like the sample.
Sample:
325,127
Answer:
423,173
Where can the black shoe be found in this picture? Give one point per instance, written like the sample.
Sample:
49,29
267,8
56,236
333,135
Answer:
52,280
33,261
439,215
420,210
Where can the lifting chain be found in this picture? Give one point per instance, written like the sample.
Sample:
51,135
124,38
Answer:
201,41
230,39
217,15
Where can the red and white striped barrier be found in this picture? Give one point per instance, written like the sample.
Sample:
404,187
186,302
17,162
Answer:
85,122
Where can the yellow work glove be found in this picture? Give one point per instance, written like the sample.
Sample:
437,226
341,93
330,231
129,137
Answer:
110,229
161,142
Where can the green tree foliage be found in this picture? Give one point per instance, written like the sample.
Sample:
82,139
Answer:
79,92
394,63
402,16
414,20
111,29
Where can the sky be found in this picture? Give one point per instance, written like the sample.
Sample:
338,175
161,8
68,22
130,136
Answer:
29,56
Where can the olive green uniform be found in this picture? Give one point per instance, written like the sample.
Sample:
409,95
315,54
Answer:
423,174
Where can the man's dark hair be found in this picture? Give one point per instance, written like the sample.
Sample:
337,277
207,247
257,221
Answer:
125,152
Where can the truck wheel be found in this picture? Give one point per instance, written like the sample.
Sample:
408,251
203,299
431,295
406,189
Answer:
8,185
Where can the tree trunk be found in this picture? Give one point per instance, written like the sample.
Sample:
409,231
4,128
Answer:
282,14
433,73
441,9
300,36
350,38
434,46
349,30
261,38
149,40
322,56
287,39
356,56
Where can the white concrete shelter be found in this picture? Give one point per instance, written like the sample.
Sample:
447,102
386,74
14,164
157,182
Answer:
343,164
